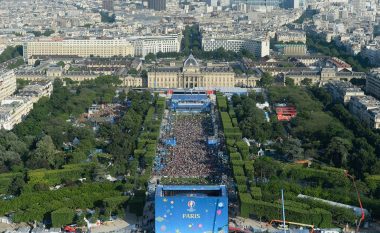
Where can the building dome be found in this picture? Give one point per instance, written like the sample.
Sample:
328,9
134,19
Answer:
190,61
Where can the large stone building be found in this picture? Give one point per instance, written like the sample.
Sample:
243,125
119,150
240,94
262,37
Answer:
157,5
291,37
373,83
7,84
366,109
343,91
295,49
191,75
259,47
78,48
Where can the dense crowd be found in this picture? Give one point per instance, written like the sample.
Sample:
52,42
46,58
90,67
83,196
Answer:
190,157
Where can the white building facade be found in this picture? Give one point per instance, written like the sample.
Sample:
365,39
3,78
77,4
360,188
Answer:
259,47
373,84
80,48
7,84
14,109
154,44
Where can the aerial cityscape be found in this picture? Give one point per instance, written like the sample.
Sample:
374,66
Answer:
189,116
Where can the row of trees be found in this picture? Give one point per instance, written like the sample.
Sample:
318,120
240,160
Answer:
11,52
46,33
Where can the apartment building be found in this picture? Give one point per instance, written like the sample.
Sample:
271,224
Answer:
366,109
342,91
36,90
259,47
154,44
372,52
7,83
14,109
373,83
79,48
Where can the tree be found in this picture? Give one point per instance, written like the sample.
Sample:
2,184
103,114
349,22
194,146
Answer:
266,80
37,63
122,96
306,82
144,74
265,167
150,57
132,72
10,52
292,149
45,154
338,150
61,63
289,82
15,188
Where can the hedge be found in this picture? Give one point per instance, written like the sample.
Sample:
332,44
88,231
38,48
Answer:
269,211
238,171
245,204
221,102
136,205
242,188
62,217
340,214
243,149
237,163
53,177
241,180
256,193
249,169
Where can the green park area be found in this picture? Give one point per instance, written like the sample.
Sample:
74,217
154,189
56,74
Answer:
44,180
319,133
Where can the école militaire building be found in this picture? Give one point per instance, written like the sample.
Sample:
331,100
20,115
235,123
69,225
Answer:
191,75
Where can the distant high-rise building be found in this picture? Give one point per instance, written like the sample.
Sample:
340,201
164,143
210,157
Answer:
358,6
212,2
157,5
107,5
260,5
290,4
295,4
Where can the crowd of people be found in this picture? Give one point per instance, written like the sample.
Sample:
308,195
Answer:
190,157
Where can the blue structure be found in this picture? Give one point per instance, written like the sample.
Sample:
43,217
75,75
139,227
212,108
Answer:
171,142
190,102
212,142
189,209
